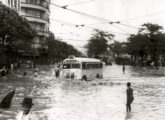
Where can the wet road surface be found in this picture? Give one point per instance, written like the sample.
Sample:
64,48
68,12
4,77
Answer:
99,99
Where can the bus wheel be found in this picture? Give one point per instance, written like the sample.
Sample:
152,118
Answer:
97,76
84,78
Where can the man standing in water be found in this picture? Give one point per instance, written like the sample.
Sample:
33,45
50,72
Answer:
130,97
26,113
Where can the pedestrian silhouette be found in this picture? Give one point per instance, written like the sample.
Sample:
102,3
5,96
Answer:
26,106
130,97
3,71
57,71
123,69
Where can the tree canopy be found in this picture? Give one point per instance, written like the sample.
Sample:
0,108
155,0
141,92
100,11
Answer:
148,42
58,50
98,43
118,48
14,29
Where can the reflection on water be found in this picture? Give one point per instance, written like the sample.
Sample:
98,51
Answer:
99,99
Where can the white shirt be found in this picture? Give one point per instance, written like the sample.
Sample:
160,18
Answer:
12,67
22,116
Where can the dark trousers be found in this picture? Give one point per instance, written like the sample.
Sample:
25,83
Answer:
128,107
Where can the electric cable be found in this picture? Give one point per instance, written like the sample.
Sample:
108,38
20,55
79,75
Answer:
87,15
78,3
135,18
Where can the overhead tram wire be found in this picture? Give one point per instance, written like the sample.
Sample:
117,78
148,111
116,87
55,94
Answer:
78,12
78,3
64,22
128,25
104,20
121,29
82,25
87,15
70,24
135,18
118,22
70,33
109,31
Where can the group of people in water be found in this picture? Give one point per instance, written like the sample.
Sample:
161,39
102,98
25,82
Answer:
4,70
26,113
27,103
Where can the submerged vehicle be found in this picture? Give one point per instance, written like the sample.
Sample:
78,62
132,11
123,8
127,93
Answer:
82,68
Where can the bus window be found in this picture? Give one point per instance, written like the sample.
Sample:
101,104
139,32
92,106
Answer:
88,66
75,65
83,66
66,66
101,65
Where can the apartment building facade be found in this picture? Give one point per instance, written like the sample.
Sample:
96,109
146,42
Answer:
14,4
37,13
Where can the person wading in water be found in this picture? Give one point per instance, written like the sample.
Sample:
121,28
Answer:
130,97
123,68
26,113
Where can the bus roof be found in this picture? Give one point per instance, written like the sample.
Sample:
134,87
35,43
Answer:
81,59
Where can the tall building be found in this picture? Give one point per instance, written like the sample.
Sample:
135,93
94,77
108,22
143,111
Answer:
15,4
37,12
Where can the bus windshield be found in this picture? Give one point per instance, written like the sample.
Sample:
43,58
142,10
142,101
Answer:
66,66
69,66
75,65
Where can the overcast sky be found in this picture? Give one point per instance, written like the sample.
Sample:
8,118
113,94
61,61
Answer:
129,12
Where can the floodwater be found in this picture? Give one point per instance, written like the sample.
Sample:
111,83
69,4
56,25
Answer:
99,99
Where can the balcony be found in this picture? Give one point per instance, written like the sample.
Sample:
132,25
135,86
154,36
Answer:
36,19
43,33
36,6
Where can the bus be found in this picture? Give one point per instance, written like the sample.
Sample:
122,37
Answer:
82,68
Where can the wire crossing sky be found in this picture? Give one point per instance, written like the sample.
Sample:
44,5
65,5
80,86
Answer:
119,17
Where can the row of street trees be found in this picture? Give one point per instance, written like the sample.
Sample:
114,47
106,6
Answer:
16,37
15,34
58,50
148,45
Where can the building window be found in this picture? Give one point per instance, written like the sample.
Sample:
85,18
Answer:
29,1
38,2
15,3
9,2
12,3
19,5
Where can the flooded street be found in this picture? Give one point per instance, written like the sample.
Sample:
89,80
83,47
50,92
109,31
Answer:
100,99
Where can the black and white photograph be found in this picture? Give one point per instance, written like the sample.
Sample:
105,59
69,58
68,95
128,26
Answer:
82,59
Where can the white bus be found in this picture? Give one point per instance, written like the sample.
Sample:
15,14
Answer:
82,68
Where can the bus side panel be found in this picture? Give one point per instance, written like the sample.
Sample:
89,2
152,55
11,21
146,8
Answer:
92,73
